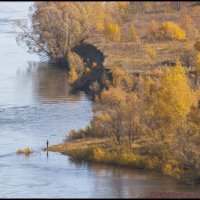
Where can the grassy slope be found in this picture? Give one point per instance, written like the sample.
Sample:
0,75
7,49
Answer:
130,58
83,144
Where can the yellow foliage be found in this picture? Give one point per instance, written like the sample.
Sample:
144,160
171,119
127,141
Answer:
100,26
73,76
75,62
127,158
157,71
173,100
167,169
101,117
121,78
94,64
62,26
198,62
19,151
134,36
148,82
112,31
170,30
98,14
113,96
25,151
87,70
98,153
151,163
116,156
151,52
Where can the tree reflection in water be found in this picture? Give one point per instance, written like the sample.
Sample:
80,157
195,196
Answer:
123,182
49,83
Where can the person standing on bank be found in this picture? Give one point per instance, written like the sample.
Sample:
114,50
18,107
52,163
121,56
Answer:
47,144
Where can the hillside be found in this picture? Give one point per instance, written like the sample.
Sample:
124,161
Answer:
133,56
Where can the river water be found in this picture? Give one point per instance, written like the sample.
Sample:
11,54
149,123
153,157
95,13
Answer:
35,105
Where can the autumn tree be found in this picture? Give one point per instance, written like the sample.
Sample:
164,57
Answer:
133,33
170,30
99,13
152,30
75,62
121,79
57,27
151,53
166,31
120,108
112,108
112,31
131,115
73,76
76,66
173,99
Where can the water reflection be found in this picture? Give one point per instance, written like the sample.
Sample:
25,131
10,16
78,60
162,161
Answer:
122,182
49,83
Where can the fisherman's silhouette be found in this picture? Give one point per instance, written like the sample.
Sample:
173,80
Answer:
47,149
47,144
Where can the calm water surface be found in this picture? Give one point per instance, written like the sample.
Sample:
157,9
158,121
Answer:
35,105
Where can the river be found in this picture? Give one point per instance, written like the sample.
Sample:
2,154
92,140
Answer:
35,105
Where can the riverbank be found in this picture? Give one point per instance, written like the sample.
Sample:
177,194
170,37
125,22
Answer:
107,151
137,99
